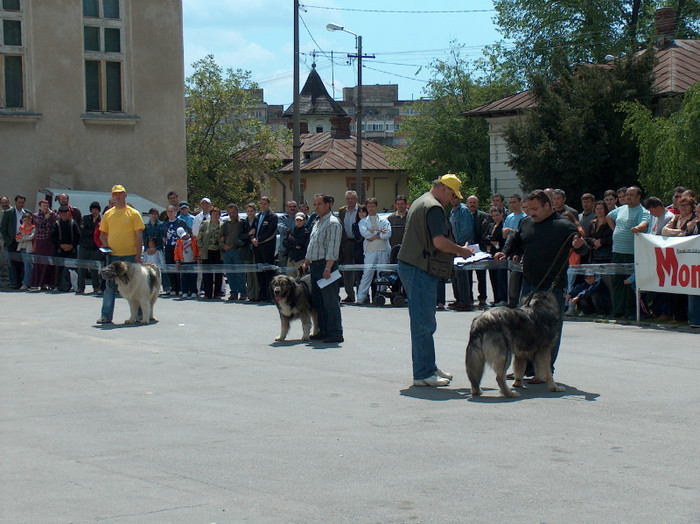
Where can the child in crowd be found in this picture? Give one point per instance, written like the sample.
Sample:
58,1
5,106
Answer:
592,297
296,243
25,244
152,254
187,252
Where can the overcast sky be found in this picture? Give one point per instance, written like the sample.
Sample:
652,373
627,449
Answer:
257,35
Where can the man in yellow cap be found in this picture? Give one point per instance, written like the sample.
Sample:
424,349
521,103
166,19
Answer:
426,255
120,231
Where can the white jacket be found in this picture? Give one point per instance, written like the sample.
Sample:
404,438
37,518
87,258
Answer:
384,225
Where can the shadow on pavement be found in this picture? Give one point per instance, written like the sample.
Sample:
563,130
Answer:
492,395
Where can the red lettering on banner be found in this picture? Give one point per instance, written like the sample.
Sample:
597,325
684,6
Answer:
666,265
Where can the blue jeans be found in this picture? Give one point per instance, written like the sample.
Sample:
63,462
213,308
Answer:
421,289
111,288
28,266
326,301
236,281
559,295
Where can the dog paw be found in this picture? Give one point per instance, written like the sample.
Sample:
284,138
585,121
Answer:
511,394
131,321
518,384
556,388
279,339
476,392
306,338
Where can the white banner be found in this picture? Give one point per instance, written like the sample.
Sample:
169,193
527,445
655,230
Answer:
668,264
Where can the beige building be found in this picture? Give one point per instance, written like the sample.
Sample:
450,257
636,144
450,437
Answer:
92,94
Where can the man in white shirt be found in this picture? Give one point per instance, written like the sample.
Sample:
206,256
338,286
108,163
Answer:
346,215
204,214
660,216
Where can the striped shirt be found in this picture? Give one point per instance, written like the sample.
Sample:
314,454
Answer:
324,243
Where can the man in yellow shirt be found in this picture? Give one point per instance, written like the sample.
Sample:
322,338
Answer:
120,231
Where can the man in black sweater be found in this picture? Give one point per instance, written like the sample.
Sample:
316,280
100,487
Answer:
541,237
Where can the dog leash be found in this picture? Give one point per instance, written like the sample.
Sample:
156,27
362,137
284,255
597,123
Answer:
551,267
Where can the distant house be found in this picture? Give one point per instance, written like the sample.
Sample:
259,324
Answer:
678,69
92,94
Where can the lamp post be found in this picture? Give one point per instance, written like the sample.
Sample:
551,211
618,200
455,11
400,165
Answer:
358,114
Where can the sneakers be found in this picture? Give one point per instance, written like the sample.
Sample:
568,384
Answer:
104,320
432,380
442,374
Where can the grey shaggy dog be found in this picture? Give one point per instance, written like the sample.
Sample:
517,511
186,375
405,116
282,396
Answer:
293,299
526,333
139,284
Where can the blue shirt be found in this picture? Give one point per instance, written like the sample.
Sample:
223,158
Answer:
625,219
462,223
512,221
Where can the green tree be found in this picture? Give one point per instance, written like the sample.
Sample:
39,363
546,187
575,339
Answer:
573,138
582,31
219,125
439,140
669,147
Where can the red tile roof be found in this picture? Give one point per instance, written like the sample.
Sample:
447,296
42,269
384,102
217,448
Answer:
322,152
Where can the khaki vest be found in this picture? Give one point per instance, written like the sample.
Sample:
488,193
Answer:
417,247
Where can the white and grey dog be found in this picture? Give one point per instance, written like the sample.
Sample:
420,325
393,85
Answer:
139,284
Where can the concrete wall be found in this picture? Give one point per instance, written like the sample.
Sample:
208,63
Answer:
142,149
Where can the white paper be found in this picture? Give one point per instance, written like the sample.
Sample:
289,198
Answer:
323,282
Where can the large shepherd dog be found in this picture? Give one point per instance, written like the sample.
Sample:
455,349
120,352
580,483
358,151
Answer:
139,284
527,333
293,299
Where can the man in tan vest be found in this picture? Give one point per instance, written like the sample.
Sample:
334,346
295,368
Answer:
426,255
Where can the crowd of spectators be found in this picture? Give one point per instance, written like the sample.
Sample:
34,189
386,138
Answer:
259,236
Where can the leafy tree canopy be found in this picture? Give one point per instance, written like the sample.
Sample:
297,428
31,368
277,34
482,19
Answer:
219,125
573,138
439,140
669,151
580,31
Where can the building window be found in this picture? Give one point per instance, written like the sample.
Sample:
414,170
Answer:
103,44
319,129
12,52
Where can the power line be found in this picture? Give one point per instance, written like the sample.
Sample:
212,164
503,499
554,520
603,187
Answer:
394,11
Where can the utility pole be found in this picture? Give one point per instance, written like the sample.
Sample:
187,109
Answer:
358,121
296,132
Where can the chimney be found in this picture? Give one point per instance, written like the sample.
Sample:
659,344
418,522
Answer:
340,126
665,25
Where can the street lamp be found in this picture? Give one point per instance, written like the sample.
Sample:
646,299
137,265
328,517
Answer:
358,114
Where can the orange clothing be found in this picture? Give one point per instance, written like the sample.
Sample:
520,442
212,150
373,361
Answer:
179,255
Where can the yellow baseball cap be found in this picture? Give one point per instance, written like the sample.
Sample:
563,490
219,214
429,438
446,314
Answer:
118,189
453,182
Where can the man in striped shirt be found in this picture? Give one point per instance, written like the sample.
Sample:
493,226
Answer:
322,260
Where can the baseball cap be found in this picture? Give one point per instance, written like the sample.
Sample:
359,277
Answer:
300,215
63,209
181,232
184,204
206,199
118,189
453,182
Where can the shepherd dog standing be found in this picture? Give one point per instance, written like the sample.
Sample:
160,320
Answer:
139,284
527,333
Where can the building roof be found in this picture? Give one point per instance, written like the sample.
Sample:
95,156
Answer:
323,152
314,98
678,69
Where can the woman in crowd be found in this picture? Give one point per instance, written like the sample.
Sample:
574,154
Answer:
494,238
296,242
599,236
88,248
678,226
694,300
248,231
209,242
376,232
43,275
358,248
25,244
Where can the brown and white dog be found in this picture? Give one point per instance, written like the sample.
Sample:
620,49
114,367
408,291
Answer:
139,284
293,299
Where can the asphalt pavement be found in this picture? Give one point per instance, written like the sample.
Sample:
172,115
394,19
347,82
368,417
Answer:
202,418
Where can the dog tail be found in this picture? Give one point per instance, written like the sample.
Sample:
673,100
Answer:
474,358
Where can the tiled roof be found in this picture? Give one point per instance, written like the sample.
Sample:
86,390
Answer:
322,152
678,68
314,98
